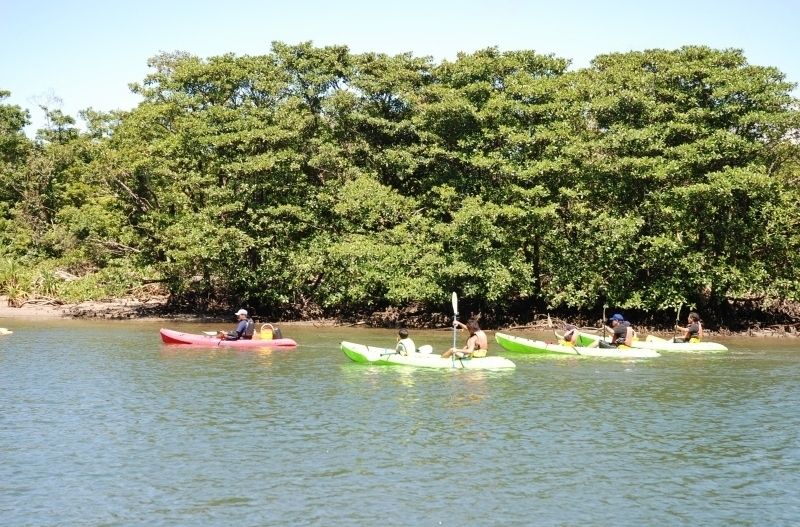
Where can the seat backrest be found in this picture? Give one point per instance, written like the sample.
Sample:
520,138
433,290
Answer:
250,328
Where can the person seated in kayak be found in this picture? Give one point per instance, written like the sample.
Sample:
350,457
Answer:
693,332
477,343
570,337
244,329
405,346
621,332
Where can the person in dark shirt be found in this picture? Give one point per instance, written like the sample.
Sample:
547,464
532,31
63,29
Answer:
621,332
693,332
244,328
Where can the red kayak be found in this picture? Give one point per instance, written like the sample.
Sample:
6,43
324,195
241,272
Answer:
176,337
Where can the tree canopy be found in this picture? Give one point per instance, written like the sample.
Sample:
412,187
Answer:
312,181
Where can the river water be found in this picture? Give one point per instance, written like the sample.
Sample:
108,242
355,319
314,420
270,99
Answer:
103,425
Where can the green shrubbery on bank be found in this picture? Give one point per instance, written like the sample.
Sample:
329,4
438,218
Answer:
313,182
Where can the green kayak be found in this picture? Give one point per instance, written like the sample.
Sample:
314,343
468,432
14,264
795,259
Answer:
655,343
523,345
386,356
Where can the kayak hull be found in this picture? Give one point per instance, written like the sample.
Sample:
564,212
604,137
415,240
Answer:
658,344
169,336
655,343
523,345
387,356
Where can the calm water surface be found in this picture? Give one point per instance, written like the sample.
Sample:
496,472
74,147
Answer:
101,424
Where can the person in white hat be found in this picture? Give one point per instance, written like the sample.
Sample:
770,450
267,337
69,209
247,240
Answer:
244,329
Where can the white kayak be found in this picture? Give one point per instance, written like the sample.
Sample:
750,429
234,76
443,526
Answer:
5,331
386,356
523,345
651,342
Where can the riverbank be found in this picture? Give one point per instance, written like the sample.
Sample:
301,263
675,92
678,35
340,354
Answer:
116,309
158,309
153,309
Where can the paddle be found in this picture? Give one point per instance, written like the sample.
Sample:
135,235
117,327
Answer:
455,319
605,306
677,319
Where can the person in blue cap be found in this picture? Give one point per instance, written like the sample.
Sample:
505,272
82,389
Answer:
621,332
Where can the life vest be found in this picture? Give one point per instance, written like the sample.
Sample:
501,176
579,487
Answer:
249,329
406,347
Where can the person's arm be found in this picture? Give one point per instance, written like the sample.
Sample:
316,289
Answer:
469,347
241,327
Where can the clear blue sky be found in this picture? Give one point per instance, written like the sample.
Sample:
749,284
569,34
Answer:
86,52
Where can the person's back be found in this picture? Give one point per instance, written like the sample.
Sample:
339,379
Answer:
481,340
405,346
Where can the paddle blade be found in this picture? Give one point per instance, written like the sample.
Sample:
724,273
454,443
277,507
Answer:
455,303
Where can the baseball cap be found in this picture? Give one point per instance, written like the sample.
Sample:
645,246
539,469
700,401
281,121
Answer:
617,317
241,312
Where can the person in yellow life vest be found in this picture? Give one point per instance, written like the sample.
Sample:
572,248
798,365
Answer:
570,337
693,332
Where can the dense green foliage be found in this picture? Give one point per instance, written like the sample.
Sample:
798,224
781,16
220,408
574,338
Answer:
313,181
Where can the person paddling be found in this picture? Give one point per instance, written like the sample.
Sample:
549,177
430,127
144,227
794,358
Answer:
477,343
621,332
693,332
244,329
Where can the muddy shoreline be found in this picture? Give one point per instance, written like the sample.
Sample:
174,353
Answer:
157,309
